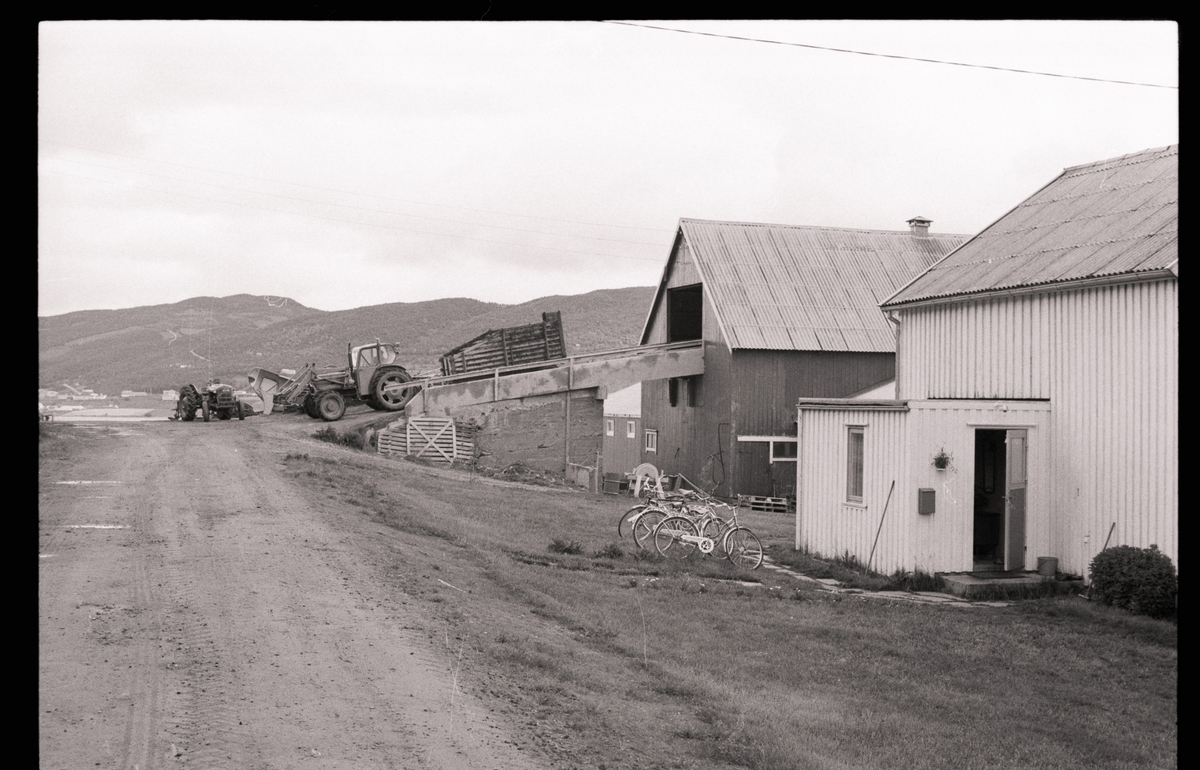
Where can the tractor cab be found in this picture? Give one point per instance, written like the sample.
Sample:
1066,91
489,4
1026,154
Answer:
365,360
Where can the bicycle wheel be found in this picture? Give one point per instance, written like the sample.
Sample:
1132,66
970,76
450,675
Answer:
643,528
743,548
669,537
622,524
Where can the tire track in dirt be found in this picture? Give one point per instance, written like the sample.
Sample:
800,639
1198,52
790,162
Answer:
94,546
204,728
241,620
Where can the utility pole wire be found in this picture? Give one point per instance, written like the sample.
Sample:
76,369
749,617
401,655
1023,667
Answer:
890,56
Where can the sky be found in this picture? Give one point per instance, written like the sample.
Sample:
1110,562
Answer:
346,164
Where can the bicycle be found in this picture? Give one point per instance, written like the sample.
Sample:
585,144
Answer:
679,536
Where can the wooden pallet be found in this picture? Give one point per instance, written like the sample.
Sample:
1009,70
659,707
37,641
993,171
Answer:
768,504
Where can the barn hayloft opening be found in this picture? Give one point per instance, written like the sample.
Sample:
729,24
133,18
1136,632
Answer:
685,313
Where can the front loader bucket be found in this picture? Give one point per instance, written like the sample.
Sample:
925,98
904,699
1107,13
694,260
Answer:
266,384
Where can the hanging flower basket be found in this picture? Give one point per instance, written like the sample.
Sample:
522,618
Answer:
942,460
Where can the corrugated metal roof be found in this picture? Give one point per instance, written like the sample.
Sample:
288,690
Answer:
1112,218
789,287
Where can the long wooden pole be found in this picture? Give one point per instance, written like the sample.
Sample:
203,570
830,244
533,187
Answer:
881,518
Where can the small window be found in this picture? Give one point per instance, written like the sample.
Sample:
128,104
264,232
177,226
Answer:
630,429
854,465
784,451
652,441
609,427
681,391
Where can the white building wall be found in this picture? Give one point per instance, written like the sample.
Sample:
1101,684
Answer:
1116,421
1107,359
825,522
899,446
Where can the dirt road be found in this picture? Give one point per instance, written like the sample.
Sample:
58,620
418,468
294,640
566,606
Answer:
196,610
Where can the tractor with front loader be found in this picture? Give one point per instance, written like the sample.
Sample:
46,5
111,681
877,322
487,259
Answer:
372,376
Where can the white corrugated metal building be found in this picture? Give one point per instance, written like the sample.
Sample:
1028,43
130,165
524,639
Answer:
1042,357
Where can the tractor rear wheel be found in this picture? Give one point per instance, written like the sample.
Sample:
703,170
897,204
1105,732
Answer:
388,389
331,406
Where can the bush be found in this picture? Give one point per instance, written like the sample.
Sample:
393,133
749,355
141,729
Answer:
330,434
1141,580
610,551
564,546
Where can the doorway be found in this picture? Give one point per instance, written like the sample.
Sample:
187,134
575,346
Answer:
988,543
998,542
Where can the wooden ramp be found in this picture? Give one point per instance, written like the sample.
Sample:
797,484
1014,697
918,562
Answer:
606,372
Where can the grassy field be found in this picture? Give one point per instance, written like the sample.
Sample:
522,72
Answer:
614,658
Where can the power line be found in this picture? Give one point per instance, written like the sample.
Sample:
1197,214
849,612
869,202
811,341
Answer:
347,192
356,222
889,56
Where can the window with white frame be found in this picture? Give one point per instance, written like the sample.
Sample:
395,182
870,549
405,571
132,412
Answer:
609,427
854,464
630,429
651,441
783,451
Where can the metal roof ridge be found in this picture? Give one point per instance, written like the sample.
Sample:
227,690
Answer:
1169,149
822,228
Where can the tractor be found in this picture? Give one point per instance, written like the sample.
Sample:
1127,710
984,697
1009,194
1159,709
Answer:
372,377
216,398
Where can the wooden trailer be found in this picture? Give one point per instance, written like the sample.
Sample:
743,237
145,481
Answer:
506,347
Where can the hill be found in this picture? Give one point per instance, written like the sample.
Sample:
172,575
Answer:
156,347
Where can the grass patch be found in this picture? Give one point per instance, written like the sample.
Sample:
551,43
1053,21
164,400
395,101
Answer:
914,581
680,664
845,569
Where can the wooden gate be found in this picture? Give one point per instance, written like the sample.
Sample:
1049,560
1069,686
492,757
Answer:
439,439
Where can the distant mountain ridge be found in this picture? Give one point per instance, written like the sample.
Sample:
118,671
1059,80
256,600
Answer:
157,347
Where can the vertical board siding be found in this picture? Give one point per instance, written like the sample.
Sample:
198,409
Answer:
1107,359
945,538
825,523
1116,416
980,349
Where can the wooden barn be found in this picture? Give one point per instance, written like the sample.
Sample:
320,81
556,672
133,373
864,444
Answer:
1036,412
784,312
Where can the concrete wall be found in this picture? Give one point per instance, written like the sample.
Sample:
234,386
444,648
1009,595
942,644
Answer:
534,431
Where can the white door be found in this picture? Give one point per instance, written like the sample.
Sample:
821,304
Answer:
1014,500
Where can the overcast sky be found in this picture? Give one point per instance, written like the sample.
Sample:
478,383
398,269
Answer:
351,164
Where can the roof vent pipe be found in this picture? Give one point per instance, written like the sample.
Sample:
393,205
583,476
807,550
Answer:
919,225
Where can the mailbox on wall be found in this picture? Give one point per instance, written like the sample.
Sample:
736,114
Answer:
925,500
